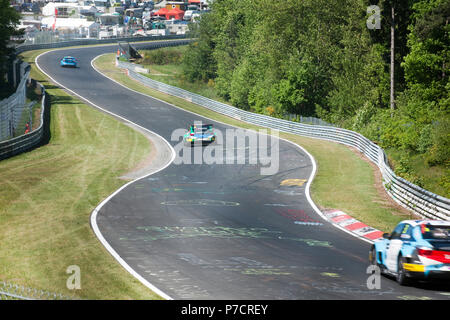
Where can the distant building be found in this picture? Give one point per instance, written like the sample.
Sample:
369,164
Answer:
110,19
85,28
201,4
63,16
177,27
159,5
61,10
101,5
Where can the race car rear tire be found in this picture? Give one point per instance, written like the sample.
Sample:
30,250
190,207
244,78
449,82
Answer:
373,256
401,277
373,260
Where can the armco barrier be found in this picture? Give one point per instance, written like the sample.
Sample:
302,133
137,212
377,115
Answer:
80,42
11,109
420,201
29,140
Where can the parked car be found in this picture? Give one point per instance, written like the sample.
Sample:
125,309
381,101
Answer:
188,14
416,249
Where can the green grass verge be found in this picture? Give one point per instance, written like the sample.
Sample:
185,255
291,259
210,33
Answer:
415,169
47,196
344,180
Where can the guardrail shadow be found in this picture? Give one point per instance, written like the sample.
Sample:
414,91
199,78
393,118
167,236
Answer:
46,132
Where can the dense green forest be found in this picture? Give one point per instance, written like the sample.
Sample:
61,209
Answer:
9,18
319,58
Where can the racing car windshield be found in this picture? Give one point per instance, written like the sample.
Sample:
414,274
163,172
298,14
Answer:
431,232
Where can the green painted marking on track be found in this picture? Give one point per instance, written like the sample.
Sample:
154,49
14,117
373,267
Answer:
414,298
330,274
200,202
181,232
261,271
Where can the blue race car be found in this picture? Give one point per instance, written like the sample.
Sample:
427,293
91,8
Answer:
68,61
417,249
200,134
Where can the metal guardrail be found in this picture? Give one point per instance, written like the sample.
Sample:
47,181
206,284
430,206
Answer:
11,110
420,201
29,140
13,107
62,44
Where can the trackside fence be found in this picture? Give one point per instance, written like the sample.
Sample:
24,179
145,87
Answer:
10,291
12,107
420,201
28,140
80,42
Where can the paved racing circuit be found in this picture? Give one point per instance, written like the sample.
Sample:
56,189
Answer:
222,231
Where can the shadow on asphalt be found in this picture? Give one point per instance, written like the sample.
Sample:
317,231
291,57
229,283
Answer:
442,285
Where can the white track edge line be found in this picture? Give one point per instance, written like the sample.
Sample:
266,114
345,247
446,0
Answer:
96,210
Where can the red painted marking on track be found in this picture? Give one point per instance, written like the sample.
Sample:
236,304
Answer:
341,218
356,225
296,215
337,216
374,235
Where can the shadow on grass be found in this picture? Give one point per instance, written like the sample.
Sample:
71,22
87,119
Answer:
46,133
63,100
51,86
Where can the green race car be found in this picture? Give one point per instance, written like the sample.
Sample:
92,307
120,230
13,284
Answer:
203,134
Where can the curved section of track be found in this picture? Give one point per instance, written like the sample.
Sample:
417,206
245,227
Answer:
220,231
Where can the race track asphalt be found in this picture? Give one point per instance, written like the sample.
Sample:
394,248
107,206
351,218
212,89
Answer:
222,231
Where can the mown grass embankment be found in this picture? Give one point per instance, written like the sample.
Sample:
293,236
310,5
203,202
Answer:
344,179
164,65
47,196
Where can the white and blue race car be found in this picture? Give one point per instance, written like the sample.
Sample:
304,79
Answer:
417,249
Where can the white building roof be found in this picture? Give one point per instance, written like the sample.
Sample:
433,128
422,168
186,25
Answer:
71,23
49,8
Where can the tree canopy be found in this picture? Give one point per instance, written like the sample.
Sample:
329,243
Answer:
319,58
9,18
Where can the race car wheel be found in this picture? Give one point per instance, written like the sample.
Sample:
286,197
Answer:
373,259
401,278
373,256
